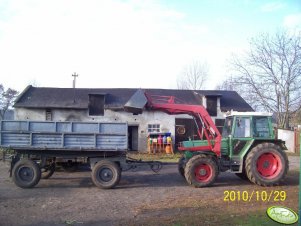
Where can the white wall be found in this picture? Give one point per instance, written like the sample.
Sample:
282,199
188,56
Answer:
30,114
166,121
289,137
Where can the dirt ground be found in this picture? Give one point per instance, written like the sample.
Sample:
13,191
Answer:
142,198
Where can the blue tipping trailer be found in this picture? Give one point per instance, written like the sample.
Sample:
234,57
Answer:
65,136
38,145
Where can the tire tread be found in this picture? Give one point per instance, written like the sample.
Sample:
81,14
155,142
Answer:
249,161
189,174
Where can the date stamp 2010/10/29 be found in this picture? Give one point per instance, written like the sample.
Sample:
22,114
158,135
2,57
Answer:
257,196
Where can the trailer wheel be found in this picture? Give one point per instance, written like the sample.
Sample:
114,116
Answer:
47,171
201,171
266,164
26,173
181,166
106,174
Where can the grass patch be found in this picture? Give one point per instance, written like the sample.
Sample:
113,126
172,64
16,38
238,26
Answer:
167,157
257,218
211,216
155,157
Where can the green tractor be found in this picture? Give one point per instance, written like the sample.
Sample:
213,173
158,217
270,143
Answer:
248,148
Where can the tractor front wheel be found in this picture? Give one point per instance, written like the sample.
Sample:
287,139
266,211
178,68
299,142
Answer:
266,164
201,171
181,166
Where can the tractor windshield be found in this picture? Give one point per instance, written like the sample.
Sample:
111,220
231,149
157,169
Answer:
227,127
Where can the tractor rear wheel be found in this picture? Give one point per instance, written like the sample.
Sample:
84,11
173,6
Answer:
181,166
201,171
266,164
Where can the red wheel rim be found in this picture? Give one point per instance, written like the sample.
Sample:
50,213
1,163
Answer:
203,173
269,165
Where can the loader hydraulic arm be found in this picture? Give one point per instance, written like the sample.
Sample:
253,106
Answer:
205,126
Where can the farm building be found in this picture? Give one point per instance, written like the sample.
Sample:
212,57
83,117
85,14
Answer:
107,105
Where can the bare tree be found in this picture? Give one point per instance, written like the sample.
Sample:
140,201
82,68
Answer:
193,76
295,118
7,98
228,84
270,74
233,83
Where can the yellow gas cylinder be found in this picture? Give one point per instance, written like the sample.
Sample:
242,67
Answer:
168,140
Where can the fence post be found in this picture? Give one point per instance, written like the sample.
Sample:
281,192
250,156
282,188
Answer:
300,180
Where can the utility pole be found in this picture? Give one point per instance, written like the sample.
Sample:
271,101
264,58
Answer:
74,81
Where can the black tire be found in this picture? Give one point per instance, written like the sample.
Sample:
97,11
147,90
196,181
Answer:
47,171
181,166
106,174
201,171
26,173
266,164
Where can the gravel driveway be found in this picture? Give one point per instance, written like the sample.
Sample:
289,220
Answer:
72,199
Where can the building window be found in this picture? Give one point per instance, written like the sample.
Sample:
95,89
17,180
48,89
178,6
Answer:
153,128
48,115
96,104
211,105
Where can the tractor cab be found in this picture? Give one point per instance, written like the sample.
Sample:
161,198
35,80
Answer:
241,132
248,125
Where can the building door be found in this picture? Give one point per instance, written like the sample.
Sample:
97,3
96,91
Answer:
185,130
133,138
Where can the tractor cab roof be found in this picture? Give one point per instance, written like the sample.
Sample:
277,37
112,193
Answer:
236,113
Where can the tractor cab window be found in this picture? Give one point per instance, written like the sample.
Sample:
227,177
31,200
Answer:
242,127
261,127
227,127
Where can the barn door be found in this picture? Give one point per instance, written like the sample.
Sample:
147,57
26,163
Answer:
185,130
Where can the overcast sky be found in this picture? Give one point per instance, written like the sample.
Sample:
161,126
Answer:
134,44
